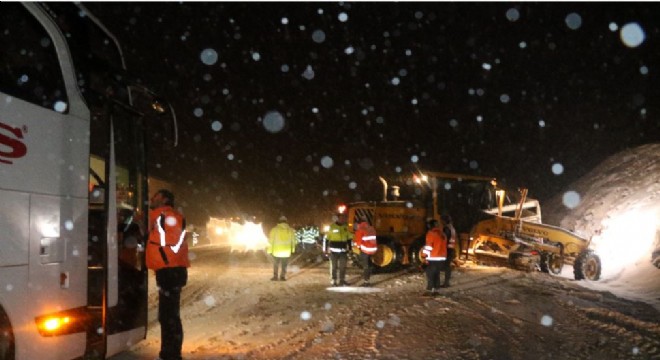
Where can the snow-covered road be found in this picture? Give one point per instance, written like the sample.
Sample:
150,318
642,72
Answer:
232,311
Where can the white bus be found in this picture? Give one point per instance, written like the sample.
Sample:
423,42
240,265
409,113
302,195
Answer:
72,164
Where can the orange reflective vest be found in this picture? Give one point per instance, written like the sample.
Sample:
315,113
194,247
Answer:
436,245
167,246
365,238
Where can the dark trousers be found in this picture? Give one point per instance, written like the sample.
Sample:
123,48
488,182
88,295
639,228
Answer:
451,253
308,246
433,270
170,281
365,261
338,262
276,265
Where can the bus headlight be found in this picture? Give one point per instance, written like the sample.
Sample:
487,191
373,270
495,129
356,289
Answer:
61,323
55,323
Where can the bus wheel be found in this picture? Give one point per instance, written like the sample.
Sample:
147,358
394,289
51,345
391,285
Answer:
7,350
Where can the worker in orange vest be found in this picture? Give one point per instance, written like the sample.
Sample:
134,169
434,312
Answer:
167,255
434,254
365,242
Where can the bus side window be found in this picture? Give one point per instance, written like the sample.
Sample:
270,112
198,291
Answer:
29,68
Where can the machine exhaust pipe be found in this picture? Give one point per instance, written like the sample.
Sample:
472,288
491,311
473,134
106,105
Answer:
384,187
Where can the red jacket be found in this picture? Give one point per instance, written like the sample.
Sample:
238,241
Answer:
365,238
436,245
167,246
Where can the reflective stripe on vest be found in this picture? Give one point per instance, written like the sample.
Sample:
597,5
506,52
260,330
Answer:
427,250
369,245
337,239
307,235
161,231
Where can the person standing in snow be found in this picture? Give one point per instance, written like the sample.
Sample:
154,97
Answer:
281,244
435,254
337,242
167,255
307,237
450,234
365,241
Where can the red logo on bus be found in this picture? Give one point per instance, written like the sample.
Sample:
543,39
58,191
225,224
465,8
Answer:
11,144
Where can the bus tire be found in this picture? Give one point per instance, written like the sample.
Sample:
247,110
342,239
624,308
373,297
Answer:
7,344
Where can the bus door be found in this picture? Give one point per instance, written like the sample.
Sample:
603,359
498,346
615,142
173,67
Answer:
117,292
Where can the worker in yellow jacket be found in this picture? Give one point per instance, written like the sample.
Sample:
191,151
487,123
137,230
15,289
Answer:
281,244
337,244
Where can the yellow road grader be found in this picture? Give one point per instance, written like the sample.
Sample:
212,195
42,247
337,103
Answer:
526,242
490,223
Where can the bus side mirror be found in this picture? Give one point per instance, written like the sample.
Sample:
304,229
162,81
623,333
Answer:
144,98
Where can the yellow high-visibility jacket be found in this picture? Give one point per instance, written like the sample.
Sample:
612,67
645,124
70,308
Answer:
282,240
338,239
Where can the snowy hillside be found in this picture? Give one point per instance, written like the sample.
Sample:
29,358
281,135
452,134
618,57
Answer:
617,204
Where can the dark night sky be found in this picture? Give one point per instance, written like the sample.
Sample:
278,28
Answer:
498,89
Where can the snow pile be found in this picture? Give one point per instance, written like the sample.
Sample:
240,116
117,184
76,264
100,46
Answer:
619,209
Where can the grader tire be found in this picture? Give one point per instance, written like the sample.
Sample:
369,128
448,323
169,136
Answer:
545,262
7,347
386,257
555,264
415,252
587,266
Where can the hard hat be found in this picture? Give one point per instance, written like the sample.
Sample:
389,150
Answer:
282,218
